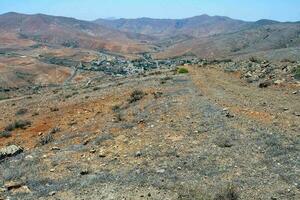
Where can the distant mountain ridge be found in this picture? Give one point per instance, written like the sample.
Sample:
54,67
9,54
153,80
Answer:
70,32
199,26
212,36
204,36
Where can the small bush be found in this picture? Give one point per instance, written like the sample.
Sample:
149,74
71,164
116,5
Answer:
54,130
5,134
183,71
20,124
297,73
54,109
46,139
229,193
22,111
116,108
136,95
254,59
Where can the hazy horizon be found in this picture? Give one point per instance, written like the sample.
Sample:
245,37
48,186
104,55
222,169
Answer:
92,9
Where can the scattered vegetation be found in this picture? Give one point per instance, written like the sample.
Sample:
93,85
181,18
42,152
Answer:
22,111
5,134
265,84
46,139
3,97
288,60
54,109
165,79
297,73
254,59
229,193
20,124
118,115
136,95
224,142
182,70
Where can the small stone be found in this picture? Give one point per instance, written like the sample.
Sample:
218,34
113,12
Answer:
92,151
297,114
160,171
278,82
86,142
24,189
28,157
102,156
84,172
225,109
55,148
52,193
228,115
9,151
138,154
2,190
12,185
52,170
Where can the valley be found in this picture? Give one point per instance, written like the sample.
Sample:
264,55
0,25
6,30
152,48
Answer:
203,108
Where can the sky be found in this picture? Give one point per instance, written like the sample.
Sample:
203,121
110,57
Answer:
249,10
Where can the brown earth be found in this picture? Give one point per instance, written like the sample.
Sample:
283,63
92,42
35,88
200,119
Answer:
176,142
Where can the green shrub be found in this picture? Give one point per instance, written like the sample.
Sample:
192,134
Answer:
136,95
46,139
183,71
22,111
297,73
20,124
5,134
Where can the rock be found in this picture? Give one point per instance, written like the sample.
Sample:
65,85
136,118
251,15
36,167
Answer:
24,189
52,193
13,185
278,82
265,84
160,171
248,75
92,151
86,142
84,172
2,190
55,148
297,114
138,154
9,151
229,115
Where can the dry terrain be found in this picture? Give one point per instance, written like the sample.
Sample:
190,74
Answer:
203,135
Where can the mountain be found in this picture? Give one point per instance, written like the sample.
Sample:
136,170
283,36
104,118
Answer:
68,32
256,38
198,26
211,36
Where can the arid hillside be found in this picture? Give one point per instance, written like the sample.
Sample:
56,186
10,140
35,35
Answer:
66,32
209,133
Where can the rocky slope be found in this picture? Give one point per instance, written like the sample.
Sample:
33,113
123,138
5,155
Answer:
207,134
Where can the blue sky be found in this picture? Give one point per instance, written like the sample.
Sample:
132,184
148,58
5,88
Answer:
250,10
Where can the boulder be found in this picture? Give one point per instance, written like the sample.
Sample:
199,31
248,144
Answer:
10,151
